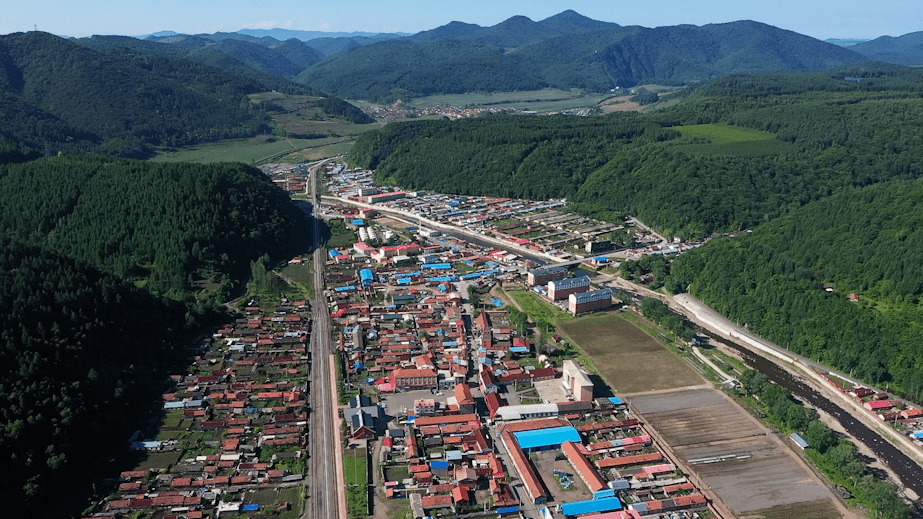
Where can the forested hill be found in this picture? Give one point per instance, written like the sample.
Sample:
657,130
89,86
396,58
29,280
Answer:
57,95
565,51
172,227
867,241
768,143
83,356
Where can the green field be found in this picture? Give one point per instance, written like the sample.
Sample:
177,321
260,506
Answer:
537,308
546,100
355,472
628,358
298,116
732,140
302,275
249,151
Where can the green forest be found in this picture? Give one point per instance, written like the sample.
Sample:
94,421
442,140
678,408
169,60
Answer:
169,227
831,197
867,241
125,97
84,355
108,270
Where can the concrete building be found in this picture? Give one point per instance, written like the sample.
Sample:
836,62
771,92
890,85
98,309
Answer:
527,411
424,407
385,197
563,288
542,276
577,381
409,379
589,301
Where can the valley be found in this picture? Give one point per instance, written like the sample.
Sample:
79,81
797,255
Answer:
546,269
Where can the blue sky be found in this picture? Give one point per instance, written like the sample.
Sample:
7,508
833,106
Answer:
818,18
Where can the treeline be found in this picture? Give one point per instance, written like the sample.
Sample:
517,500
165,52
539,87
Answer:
866,241
837,457
84,357
657,311
518,156
171,227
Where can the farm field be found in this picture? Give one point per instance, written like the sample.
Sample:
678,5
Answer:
299,116
733,140
630,360
546,100
249,151
766,482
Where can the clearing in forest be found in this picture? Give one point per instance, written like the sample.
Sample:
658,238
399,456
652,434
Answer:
732,140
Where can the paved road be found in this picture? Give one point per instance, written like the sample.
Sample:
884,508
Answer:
322,487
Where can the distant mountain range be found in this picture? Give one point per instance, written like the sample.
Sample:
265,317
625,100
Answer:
903,50
567,50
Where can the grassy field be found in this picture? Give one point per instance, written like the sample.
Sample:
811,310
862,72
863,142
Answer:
628,358
269,498
355,471
302,275
537,308
248,151
299,115
732,140
546,100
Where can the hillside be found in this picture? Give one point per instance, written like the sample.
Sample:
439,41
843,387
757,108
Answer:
863,240
174,228
816,133
392,70
66,97
84,356
903,50
565,51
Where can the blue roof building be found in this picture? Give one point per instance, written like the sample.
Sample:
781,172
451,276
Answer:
606,504
541,439
367,277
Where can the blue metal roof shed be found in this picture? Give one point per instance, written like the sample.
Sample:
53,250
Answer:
547,437
590,507
437,266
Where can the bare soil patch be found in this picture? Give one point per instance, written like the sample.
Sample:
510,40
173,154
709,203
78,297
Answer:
628,358
762,475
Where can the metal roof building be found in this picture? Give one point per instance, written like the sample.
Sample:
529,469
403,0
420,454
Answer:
590,507
543,438
524,411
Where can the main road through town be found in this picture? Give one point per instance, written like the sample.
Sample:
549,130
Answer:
322,487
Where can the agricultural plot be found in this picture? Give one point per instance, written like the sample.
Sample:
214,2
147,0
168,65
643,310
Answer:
299,116
248,151
547,100
629,359
754,474
732,140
